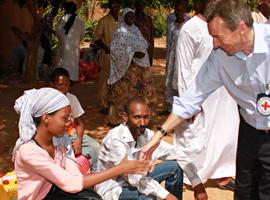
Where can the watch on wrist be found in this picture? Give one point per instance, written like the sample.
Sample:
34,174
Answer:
163,132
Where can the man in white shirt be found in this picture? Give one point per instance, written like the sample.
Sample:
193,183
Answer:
240,62
128,139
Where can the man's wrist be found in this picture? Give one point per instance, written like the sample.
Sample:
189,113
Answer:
162,131
159,135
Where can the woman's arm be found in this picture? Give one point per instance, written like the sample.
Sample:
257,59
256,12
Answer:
125,167
69,179
103,46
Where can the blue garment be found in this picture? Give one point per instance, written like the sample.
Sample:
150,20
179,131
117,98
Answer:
243,76
168,171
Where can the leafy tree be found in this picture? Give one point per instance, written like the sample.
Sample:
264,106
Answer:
44,21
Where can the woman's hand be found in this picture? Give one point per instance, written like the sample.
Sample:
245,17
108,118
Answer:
139,54
136,166
200,193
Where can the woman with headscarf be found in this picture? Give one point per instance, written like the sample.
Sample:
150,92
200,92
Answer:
70,31
129,74
43,169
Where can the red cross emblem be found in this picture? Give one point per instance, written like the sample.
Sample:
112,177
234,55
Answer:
263,105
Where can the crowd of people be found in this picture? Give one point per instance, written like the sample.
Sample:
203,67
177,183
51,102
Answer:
217,98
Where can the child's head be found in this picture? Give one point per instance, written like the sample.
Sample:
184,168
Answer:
60,80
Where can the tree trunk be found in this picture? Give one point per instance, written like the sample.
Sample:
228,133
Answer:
31,59
33,40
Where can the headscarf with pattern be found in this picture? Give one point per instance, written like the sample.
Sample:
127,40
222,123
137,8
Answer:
35,103
125,42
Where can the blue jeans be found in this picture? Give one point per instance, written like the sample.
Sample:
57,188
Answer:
168,171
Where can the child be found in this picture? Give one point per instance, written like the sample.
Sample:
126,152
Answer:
81,143
43,169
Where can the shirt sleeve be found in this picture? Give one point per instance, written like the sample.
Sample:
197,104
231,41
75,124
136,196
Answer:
99,30
82,30
69,179
59,29
206,81
77,110
147,185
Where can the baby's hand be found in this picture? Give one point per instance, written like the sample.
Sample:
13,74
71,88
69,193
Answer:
77,146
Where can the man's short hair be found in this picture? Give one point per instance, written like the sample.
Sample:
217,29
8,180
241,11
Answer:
231,11
199,6
70,7
139,3
137,99
59,72
185,3
111,2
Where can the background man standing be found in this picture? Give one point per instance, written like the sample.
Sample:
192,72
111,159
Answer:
103,37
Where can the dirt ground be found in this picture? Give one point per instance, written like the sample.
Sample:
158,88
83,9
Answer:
12,87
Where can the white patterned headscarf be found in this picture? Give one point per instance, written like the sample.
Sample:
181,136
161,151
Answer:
126,41
35,103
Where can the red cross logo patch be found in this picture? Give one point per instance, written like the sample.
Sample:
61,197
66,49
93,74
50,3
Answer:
263,105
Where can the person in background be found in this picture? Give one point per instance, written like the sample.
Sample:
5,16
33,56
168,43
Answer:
263,13
43,169
173,27
44,58
145,24
130,74
70,31
82,144
19,57
103,38
128,138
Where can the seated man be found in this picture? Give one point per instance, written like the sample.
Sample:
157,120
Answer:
127,139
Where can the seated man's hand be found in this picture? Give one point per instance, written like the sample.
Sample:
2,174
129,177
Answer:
200,193
149,148
171,197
